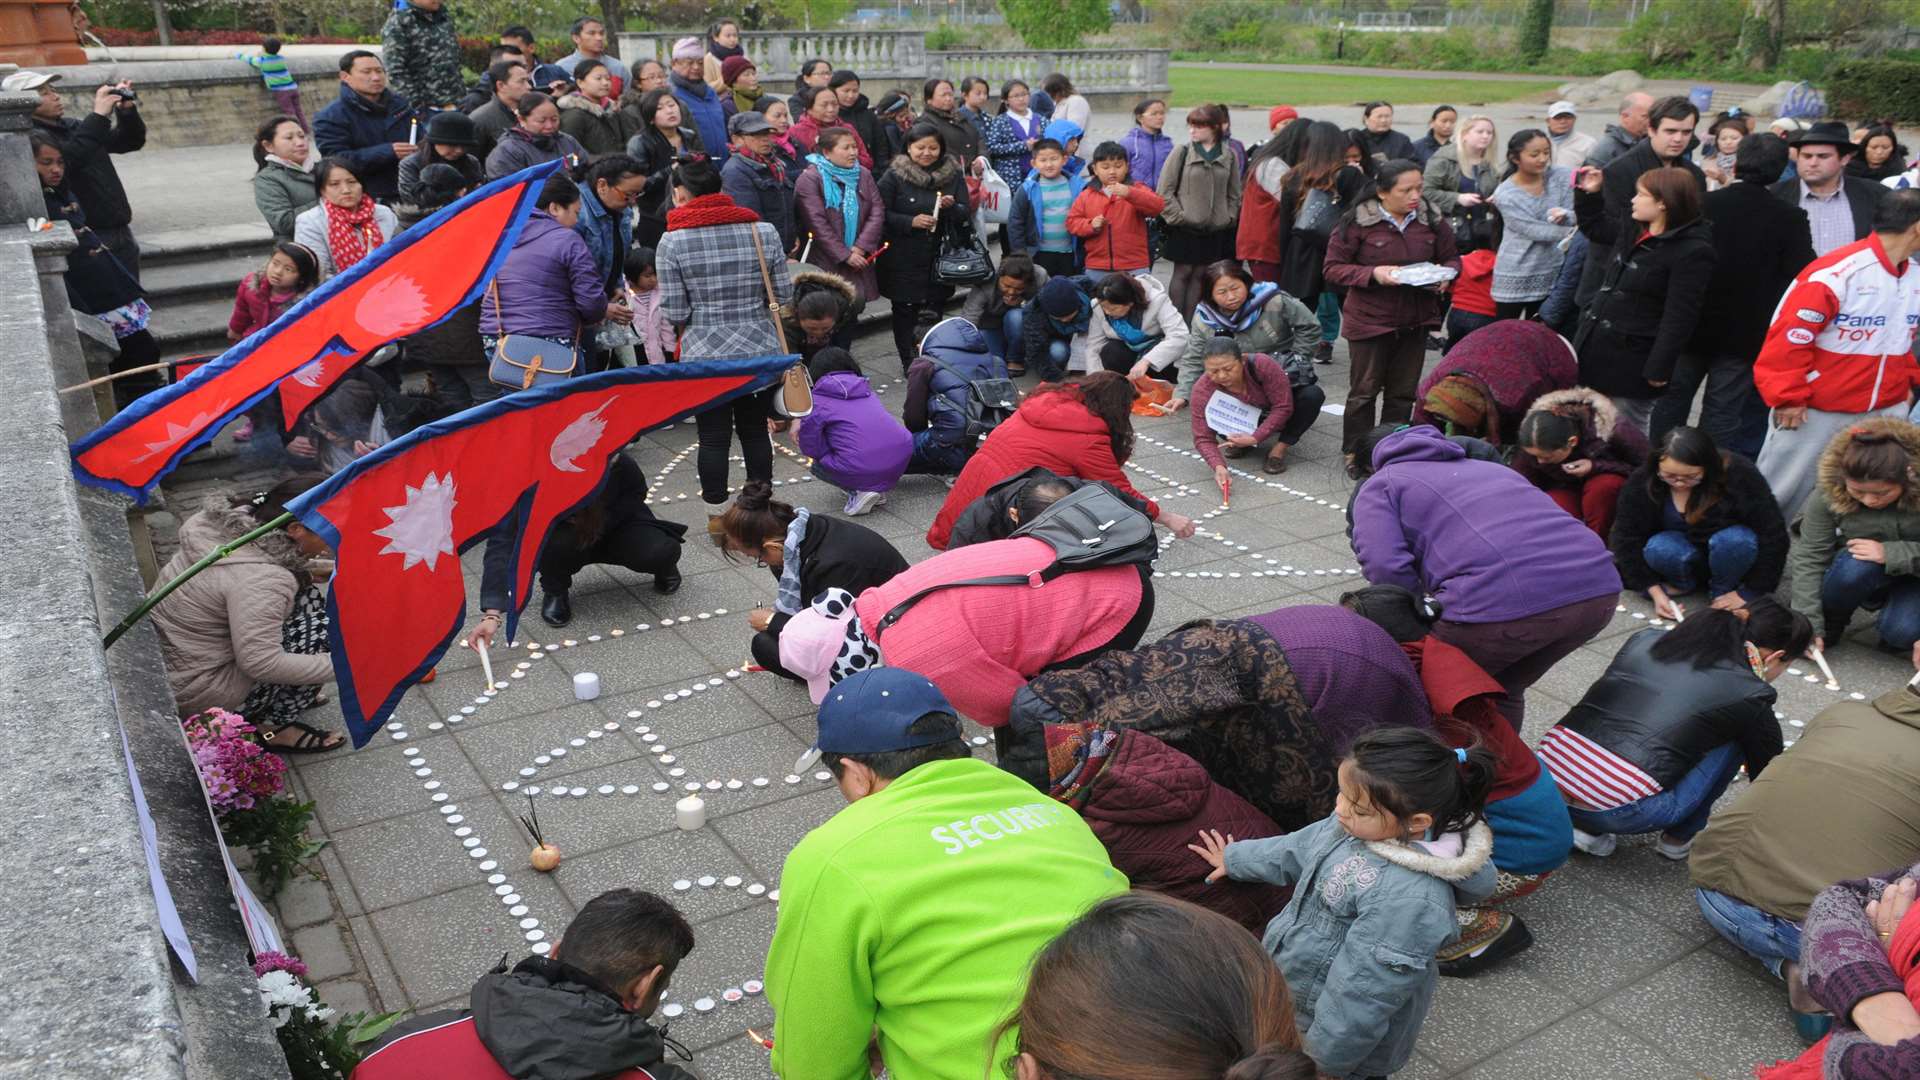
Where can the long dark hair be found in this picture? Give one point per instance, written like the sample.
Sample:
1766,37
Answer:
1107,395
1396,610
1711,636
1323,153
1407,771
1286,146
1691,446
1517,144
1121,289
1182,992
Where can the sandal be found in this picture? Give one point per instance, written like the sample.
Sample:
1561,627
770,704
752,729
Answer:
312,740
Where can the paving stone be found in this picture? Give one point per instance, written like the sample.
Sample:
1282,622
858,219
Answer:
441,944
1583,1046
407,858
1735,1016
324,950
1473,1018
655,863
377,968
304,902
346,997
1587,944
377,782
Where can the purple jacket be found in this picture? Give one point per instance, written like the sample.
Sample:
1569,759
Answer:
1476,535
1352,673
1146,154
548,286
853,439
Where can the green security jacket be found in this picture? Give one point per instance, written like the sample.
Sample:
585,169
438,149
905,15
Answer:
918,910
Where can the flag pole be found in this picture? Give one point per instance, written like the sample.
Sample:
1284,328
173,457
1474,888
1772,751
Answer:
212,557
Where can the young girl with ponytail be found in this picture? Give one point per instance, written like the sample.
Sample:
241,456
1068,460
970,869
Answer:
1375,891
1183,993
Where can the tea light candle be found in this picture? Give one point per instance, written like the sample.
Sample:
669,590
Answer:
586,686
690,813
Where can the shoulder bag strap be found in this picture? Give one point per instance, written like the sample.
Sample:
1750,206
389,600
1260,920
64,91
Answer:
901,608
766,279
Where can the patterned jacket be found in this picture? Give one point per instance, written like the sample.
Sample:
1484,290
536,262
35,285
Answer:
710,284
422,55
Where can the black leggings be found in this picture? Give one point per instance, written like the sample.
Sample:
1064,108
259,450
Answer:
906,328
747,417
638,546
1518,309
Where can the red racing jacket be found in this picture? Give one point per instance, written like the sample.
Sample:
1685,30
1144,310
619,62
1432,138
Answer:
1842,337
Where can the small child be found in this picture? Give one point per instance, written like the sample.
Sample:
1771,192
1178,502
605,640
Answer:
1579,450
1473,305
855,443
1037,218
273,69
1110,216
291,273
657,344
1376,887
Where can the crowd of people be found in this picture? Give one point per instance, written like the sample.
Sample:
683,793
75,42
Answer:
1348,780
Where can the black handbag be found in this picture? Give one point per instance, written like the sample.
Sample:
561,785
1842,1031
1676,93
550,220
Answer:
960,255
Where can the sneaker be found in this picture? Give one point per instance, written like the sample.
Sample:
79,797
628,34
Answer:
863,502
1670,850
1323,354
1599,845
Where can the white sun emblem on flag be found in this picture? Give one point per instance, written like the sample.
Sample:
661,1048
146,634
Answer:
577,438
176,433
421,530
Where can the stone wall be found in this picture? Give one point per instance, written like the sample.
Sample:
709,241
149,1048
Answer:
201,102
87,983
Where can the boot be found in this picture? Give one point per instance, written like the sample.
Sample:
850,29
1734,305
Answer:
557,610
668,583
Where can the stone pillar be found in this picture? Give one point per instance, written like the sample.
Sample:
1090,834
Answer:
19,184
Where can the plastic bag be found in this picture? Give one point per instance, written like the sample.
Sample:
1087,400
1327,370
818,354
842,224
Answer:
1150,395
996,198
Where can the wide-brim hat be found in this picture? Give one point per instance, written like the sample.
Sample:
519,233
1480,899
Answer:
1828,133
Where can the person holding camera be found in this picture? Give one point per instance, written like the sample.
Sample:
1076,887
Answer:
112,126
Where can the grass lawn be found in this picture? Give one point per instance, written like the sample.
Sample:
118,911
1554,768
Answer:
1229,86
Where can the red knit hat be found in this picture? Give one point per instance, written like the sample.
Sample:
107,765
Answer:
1279,113
732,66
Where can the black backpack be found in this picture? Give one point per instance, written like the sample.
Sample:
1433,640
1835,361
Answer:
1087,529
990,400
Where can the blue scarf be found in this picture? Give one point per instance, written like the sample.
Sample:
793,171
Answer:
787,600
1130,333
840,188
1242,320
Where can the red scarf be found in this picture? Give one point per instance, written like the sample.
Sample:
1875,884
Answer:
771,161
1904,952
351,233
704,210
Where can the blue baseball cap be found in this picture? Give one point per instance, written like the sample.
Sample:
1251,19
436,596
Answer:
870,711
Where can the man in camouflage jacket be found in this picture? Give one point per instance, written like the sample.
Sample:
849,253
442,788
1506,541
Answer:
422,55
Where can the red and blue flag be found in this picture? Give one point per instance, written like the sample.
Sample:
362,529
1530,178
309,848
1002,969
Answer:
502,472
403,287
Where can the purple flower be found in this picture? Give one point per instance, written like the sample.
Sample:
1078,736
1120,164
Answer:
273,961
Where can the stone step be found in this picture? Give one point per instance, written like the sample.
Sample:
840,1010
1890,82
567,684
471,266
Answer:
213,242
216,275
192,327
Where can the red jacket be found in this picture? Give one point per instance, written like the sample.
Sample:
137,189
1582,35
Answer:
1842,337
1462,696
255,306
1258,238
1053,430
1147,805
1121,241
451,1049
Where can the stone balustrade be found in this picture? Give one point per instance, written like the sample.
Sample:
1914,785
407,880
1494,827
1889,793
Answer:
1093,71
878,55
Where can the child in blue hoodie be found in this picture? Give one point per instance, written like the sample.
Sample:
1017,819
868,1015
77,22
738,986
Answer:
1375,891
1037,217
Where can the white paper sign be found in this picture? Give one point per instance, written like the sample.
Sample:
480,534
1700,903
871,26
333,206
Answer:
1228,415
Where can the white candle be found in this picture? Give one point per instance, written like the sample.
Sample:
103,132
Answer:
690,813
586,686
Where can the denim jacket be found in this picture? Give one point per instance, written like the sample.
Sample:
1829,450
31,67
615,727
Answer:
608,233
1358,939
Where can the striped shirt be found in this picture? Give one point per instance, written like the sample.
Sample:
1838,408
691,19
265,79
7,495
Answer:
1831,217
272,68
1589,775
1056,197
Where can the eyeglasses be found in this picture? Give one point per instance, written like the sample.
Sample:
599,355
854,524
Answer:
1672,480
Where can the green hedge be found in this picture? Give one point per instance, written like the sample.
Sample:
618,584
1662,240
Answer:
1875,88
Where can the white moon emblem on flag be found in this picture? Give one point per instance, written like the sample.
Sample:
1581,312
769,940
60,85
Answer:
577,438
421,530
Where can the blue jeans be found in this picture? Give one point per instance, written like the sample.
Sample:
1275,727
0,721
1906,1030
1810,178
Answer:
1329,315
1769,939
931,455
1729,554
1681,809
1094,276
1851,582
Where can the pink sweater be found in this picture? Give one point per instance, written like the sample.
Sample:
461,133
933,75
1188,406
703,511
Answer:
981,644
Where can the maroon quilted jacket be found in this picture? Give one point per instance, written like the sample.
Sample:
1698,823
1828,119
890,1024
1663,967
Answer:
1146,806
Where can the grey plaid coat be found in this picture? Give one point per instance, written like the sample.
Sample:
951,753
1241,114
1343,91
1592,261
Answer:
710,283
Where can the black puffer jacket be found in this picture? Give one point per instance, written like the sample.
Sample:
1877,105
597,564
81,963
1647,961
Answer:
839,554
985,518
1665,717
1648,305
1748,501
